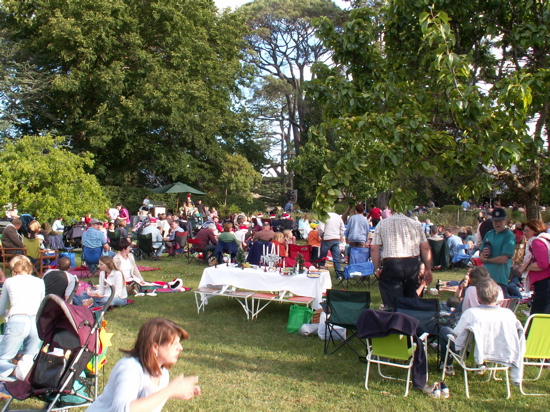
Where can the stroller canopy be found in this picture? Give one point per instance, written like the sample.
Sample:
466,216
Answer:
55,315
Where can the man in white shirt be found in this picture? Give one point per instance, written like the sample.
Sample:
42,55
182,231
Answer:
156,237
331,234
403,241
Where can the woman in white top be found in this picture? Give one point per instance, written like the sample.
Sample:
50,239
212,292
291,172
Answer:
24,293
125,262
140,380
109,275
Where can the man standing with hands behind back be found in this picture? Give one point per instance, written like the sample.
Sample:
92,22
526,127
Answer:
403,243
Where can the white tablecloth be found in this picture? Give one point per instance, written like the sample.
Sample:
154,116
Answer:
257,279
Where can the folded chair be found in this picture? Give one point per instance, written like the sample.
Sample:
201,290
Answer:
343,308
392,341
537,346
426,311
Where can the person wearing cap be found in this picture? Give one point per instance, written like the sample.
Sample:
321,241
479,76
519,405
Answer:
314,241
498,247
94,237
156,237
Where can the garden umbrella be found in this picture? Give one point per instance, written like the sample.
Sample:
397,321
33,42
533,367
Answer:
178,187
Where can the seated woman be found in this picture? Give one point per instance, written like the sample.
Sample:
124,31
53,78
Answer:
34,229
278,244
227,235
140,380
24,293
125,262
109,275
467,288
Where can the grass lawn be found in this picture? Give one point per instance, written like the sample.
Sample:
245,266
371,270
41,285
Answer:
258,366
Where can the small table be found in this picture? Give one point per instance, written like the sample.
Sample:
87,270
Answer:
258,280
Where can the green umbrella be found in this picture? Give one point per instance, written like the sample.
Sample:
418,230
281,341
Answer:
177,187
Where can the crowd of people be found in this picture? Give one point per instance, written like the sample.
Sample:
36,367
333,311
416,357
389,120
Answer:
502,257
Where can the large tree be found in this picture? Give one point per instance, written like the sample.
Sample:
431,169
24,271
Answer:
282,45
49,181
440,88
148,87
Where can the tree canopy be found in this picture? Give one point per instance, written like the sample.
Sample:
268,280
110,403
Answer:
49,181
443,87
148,87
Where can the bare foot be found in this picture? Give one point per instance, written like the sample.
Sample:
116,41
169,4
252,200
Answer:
88,302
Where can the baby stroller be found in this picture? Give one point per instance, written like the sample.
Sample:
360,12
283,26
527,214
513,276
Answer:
70,336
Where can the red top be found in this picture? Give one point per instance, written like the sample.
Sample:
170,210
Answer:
375,213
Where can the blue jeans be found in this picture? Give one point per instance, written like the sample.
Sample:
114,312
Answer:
100,302
20,330
334,247
443,340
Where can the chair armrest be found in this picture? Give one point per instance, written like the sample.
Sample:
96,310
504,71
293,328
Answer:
424,337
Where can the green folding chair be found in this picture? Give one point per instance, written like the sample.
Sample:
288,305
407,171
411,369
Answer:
343,308
537,346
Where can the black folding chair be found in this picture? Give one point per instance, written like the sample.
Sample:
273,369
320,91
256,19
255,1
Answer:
426,311
343,308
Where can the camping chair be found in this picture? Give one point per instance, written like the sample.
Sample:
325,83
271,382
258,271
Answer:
255,252
510,303
39,257
537,346
225,247
466,359
191,250
181,240
91,257
462,257
359,255
114,240
391,340
145,245
440,253
10,252
426,311
343,309
357,274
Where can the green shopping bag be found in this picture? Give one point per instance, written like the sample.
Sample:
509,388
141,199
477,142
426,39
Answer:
297,316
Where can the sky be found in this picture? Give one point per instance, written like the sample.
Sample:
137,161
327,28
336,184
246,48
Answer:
222,4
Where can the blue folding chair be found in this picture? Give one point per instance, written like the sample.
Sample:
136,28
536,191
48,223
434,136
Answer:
357,274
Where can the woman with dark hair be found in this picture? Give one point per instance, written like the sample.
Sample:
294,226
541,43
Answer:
140,380
537,264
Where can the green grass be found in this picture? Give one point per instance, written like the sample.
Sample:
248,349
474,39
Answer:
257,366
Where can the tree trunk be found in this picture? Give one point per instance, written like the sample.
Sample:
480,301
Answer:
531,202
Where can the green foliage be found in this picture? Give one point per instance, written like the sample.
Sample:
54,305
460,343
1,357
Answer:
49,181
135,83
450,208
419,88
236,204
